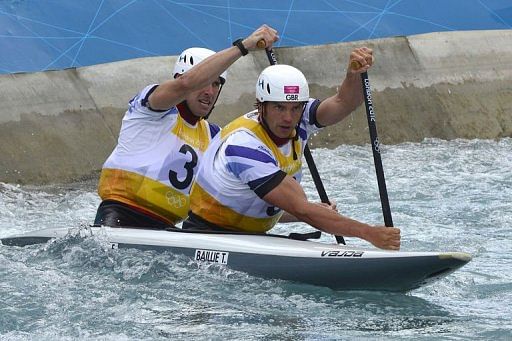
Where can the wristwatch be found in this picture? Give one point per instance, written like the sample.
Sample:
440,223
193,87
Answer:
238,43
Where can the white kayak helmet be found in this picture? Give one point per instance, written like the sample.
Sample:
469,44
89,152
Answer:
190,58
282,83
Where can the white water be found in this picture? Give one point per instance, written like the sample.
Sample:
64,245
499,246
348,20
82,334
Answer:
444,195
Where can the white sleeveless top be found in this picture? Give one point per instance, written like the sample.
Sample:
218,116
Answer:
156,159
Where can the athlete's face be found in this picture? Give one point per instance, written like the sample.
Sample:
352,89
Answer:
282,117
201,101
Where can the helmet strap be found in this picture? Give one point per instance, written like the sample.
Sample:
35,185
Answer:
213,106
189,116
279,141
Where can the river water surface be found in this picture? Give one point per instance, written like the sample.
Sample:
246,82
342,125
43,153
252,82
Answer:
444,195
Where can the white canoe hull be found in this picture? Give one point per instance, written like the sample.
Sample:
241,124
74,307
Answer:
335,266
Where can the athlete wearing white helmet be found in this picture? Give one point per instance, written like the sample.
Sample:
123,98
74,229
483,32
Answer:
146,180
273,85
191,57
186,61
251,173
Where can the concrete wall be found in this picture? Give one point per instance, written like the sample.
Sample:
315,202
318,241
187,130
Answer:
60,126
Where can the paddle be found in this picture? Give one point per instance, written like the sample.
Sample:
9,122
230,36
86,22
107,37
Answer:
374,139
307,152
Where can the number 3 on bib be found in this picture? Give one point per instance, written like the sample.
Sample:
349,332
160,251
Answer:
189,167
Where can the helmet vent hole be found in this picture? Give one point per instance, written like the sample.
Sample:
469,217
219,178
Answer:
268,88
191,60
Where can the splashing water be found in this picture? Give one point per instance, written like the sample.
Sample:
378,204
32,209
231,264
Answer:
452,196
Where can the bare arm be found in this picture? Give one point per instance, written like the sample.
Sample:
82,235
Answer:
350,93
289,196
174,91
290,218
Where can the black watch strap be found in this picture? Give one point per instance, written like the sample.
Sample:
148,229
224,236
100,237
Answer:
238,43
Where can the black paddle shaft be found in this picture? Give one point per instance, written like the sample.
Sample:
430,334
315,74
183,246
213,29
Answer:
309,158
374,139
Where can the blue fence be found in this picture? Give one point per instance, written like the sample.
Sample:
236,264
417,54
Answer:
40,35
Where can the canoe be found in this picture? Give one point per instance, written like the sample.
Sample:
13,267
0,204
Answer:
335,266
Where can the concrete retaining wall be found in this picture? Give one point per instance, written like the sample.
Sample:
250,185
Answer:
60,126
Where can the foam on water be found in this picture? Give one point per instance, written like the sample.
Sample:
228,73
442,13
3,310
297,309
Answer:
444,195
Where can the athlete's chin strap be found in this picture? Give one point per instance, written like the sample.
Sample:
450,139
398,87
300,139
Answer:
189,116
213,106
279,141
187,113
